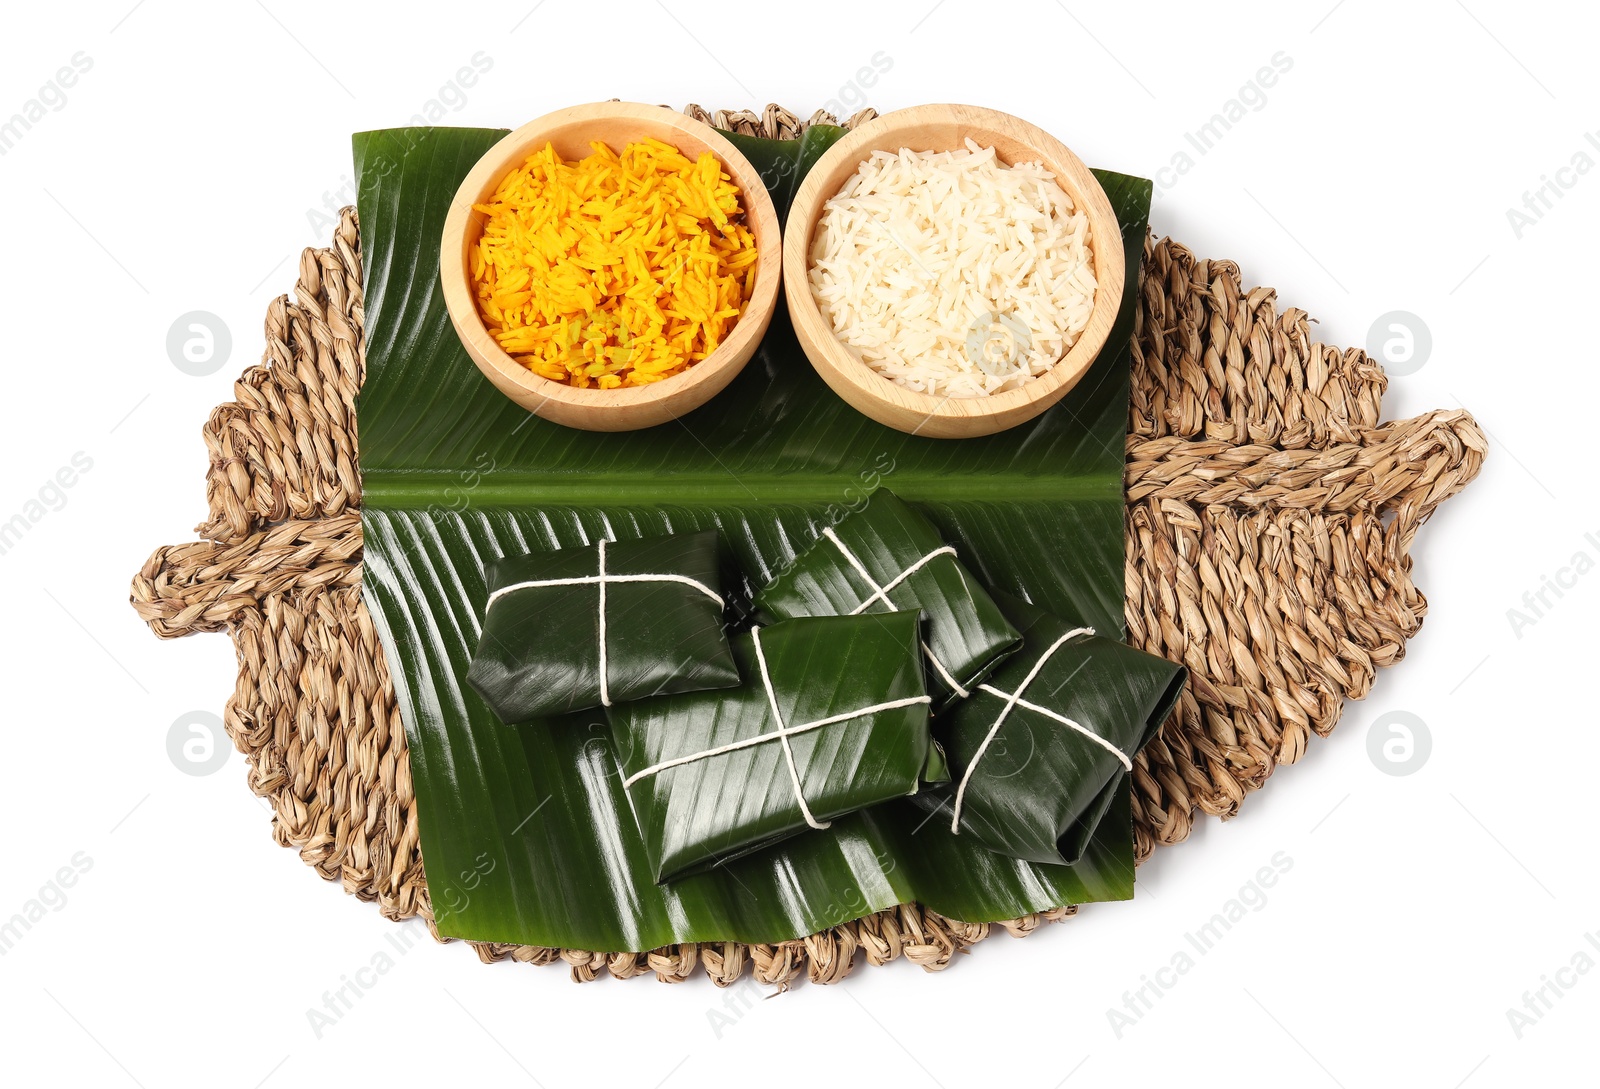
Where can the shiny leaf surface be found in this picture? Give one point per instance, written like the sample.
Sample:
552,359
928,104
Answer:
527,834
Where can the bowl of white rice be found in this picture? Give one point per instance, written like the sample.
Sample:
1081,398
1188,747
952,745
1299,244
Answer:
951,271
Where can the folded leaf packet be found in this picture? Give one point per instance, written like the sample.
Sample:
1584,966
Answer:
832,717
1039,750
615,621
887,557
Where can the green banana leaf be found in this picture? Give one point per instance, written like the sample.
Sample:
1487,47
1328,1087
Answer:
1030,785
701,800
543,648
527,834
966,634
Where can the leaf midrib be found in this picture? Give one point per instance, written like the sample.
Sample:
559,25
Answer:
391,489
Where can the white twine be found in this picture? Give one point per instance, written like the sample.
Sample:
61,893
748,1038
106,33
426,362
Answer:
605,687
602,580
781,734
1014,699
882,593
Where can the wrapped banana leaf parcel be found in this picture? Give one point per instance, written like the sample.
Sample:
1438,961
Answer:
885,557
832,717
588,627
1039,750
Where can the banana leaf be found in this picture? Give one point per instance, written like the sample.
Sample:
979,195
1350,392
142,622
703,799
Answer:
886,556
528,835
832,717
1041,748
566,630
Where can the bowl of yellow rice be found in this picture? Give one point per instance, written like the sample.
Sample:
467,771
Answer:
611,266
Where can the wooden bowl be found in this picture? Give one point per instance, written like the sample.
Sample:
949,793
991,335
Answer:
946,128
630,407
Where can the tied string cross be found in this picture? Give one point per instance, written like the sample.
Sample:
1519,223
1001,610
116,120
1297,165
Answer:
601,580
881,593
1014,699
782,734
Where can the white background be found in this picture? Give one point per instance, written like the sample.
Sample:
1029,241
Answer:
184,172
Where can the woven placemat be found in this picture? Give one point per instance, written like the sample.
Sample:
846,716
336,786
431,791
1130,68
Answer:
1269,522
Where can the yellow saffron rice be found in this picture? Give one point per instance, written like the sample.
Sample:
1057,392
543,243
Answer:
616,270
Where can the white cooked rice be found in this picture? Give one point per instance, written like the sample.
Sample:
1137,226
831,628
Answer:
951,273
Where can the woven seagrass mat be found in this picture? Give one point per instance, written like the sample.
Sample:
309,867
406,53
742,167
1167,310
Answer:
1269,522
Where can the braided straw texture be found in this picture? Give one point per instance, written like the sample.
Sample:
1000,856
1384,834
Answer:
1269,520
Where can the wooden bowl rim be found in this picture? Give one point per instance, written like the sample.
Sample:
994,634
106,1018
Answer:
665,124
1071,174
